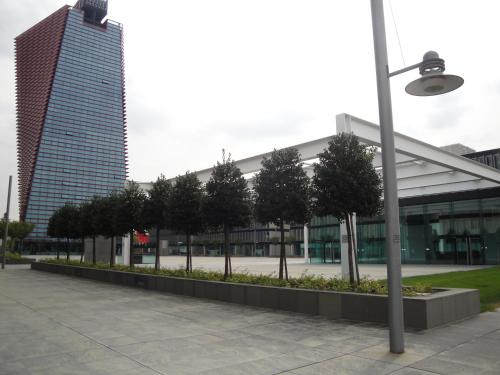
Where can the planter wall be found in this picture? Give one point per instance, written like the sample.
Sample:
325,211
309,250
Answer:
444,306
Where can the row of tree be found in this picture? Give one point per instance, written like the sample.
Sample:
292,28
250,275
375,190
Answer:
18,231
344,182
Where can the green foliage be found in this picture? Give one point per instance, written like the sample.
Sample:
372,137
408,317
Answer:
345,180
185,209
282,194
156,210
13,256
107,218
305,281
20,229
228,197
227,202
89,211
131,207
16,258
185,205
64,222
282,189
487,280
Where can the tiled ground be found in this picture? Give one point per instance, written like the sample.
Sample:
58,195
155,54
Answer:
296,266
53,324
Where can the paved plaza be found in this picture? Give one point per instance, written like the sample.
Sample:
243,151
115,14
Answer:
55,324
297,266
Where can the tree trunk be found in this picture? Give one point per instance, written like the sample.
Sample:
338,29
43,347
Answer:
83,250
190,254
157,254
58,248
353,231
285,263
188,258
112,252
67,249
131,250
226,251
349,248
282,249
93,250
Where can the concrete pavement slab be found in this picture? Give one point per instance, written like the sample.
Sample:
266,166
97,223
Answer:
55,324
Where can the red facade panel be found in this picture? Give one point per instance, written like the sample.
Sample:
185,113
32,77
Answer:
37,51
124,108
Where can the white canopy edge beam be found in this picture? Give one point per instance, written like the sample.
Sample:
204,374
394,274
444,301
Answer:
400,159
308,151
445,188
421,169
434,179
369,133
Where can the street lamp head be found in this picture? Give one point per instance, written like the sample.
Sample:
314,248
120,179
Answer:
433,81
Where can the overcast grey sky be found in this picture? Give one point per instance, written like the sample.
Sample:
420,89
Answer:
251,75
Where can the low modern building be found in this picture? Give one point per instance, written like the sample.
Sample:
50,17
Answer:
488,157
449,206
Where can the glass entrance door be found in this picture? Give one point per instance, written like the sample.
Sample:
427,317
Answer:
476,250
462,250
467,250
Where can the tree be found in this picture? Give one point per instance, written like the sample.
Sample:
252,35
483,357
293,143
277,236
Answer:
18,231
282,191
345,182
89,225
53,228
227,202
108,222
156,211
132,200
64,224
185,206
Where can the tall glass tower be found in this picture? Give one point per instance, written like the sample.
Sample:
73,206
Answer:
71,132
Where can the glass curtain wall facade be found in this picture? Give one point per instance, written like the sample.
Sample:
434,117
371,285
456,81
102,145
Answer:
455,228
72,143
446,229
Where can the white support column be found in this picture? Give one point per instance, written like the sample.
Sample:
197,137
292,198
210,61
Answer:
126,250
344,251
355,234
306,243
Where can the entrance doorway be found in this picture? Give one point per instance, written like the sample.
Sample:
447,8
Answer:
468,250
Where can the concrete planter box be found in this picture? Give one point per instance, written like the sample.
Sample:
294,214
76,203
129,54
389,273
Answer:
444,306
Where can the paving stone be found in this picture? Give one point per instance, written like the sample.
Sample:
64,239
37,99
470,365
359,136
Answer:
55,324
348,364
412,371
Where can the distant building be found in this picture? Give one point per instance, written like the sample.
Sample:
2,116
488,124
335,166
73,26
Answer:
458,149
488,157
71,132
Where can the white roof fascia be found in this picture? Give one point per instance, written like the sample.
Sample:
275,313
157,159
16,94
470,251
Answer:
370,134
446,188
421,168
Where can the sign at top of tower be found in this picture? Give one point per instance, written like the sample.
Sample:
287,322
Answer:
95,10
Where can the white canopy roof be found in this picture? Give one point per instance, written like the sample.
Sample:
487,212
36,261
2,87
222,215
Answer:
421,169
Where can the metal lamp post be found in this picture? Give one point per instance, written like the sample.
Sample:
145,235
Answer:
432,82
6,233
